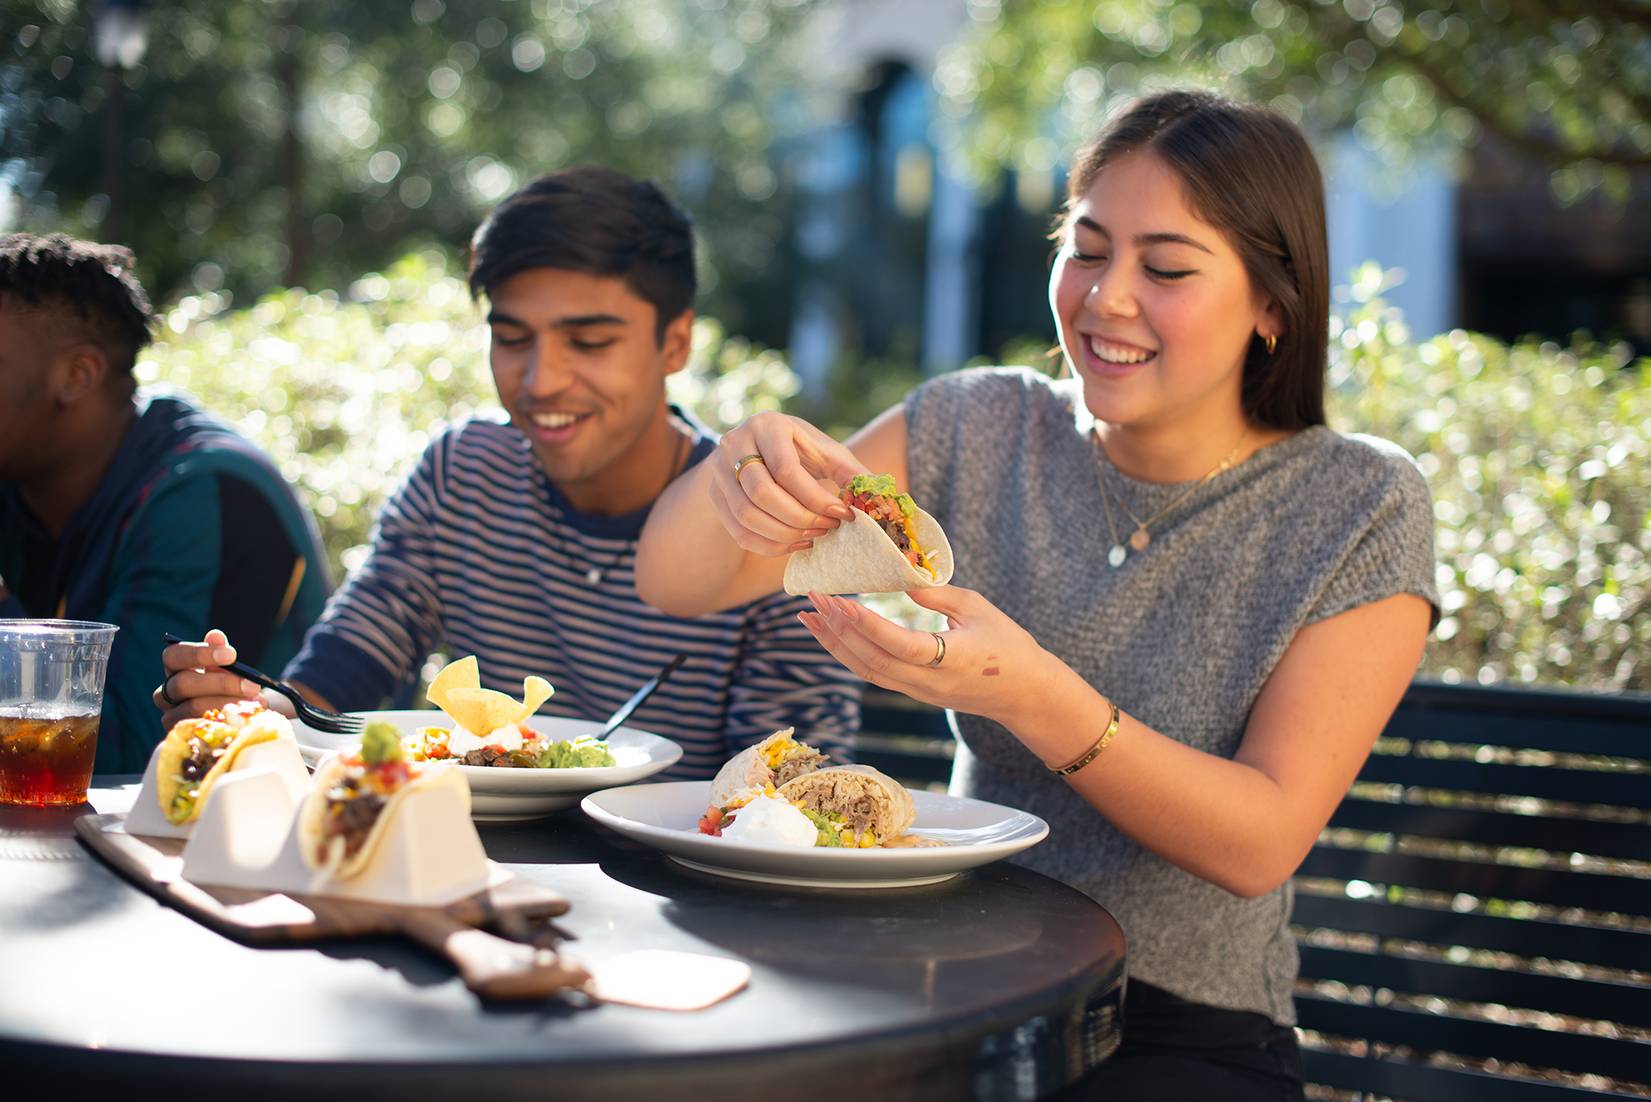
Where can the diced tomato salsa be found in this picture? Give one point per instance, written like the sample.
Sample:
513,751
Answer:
714,820
886,512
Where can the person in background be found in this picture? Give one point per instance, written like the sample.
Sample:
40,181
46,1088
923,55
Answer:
1192,607
515,540
130,506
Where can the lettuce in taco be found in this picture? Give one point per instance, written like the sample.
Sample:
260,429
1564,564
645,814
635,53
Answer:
889,545
197,752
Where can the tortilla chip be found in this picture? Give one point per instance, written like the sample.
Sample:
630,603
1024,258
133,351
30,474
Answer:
457,691
482,710
461,674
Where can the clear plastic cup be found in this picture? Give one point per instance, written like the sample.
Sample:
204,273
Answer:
51,698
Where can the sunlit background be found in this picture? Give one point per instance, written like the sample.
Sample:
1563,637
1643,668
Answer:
871,181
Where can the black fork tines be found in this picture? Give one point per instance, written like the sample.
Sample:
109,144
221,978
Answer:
317,718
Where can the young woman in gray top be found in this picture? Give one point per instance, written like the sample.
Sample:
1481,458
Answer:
1181,583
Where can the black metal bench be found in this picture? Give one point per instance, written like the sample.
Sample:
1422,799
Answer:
1475,923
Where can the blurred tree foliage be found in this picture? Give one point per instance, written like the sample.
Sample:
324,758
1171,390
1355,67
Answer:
298,142
1536,454
343,392
1565,81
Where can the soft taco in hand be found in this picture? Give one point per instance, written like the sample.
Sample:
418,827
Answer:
868,807
199,751
889,546
357,795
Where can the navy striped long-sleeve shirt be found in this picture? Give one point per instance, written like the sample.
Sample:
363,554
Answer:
479,554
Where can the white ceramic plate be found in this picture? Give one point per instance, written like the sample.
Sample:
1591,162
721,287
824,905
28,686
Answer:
497,794
666,816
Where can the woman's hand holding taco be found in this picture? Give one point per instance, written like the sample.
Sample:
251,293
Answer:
773,505
783,500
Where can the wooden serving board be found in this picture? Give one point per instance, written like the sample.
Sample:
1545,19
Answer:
490,965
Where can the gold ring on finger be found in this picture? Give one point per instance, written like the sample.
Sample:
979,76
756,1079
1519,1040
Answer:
939,650
740,463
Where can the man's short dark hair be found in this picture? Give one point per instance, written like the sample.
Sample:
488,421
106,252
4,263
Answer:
88,288
596,221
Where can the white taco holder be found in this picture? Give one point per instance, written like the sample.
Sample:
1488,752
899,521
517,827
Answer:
247,837
280,756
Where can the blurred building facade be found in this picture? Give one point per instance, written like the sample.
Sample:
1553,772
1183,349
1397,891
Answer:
899,259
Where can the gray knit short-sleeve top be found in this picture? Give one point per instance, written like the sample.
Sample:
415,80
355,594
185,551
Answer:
1183,635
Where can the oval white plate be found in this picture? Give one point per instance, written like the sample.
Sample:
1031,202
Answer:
666,816
497,794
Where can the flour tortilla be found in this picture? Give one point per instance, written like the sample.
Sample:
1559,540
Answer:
859,557
840,787
262,725
313,814
747,774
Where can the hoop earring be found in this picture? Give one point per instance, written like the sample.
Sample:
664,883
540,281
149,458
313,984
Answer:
1272,343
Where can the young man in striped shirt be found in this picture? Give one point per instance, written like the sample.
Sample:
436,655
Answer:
515,542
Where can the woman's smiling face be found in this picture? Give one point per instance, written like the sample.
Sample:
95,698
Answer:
1155,309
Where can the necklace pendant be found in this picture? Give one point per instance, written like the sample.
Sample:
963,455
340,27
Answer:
1115,557
593,576
1140,539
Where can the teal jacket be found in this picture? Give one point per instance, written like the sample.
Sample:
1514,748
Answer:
191,528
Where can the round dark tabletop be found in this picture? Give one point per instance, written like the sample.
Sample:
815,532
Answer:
998,984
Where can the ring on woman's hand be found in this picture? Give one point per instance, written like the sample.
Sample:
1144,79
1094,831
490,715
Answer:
939,650
166,696
740,463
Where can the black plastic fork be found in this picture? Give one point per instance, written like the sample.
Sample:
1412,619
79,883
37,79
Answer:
318,719
647,690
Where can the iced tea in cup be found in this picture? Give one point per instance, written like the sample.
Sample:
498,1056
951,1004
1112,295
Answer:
51,696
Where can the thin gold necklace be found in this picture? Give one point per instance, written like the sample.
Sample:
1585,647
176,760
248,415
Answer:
1141,538
595,573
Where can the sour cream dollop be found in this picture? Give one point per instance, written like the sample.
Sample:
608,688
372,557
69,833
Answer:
461,741
771,820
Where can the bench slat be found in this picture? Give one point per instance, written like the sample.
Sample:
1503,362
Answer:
1569,706
909,767
1628,1004
1593,891
1558,733
1541,1048
1544,782
1418,1083
914,743
923,721
1601,946
1624,841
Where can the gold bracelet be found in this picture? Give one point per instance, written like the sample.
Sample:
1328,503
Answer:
1094,751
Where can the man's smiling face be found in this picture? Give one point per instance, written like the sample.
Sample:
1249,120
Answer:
580,366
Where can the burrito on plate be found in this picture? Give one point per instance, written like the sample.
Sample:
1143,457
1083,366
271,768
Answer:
868,807
758,769
889,546
199,751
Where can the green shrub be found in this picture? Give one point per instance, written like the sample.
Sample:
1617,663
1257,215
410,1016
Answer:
1536,454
